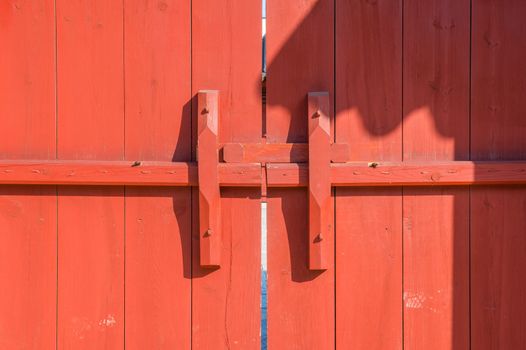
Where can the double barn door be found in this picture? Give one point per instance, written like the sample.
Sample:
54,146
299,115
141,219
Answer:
136,151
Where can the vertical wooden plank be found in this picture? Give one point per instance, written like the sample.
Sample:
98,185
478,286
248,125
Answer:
28,268
300,54
226,301
226,56
436,127
368,221
158,268
27,214
368,78
158,127
90,79
497,266
27,87
436,268
498,127
90,220
300,301
300,47
369,268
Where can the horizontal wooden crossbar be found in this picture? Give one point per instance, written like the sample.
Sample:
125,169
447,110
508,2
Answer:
122,173
451,173
250,174
278,152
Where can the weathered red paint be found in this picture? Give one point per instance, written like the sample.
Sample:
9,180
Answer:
320,206
209,197
99,199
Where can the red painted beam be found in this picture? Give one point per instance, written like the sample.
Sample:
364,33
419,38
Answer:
448,173
357,174
61,172
279,152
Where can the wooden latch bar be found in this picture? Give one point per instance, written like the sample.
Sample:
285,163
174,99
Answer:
320,206
209,192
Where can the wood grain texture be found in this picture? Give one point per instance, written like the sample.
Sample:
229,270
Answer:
321,212
436,80
418,173
27,87
278,152
498,129
498,298
90,220
91,268
368,221
158,268
226,301
209,195
369,268
498,80
300,54
28,250
28,269
369,78
149,173
436,127
158,128
300,301
436,268
300,47
226,56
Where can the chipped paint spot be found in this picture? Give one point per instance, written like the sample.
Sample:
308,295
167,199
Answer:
109,321
414,300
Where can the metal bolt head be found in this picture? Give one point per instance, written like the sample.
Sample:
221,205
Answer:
317,114
206,110
208,233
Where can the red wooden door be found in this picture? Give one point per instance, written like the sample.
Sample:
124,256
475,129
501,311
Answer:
414,132
92,267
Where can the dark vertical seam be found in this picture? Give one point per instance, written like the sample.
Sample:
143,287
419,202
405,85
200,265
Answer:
402,156
124,157
402,81
56,187
470,157
334,191
124,273
192,191
403,269
124,79
470,59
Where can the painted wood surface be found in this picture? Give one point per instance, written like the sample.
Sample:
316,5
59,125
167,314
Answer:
226,56
423,94
300,44
90,220
209,192
158,129
368,221
436,127
321,212
180,174
498,127
28,227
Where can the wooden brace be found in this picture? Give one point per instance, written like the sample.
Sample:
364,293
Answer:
209,192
